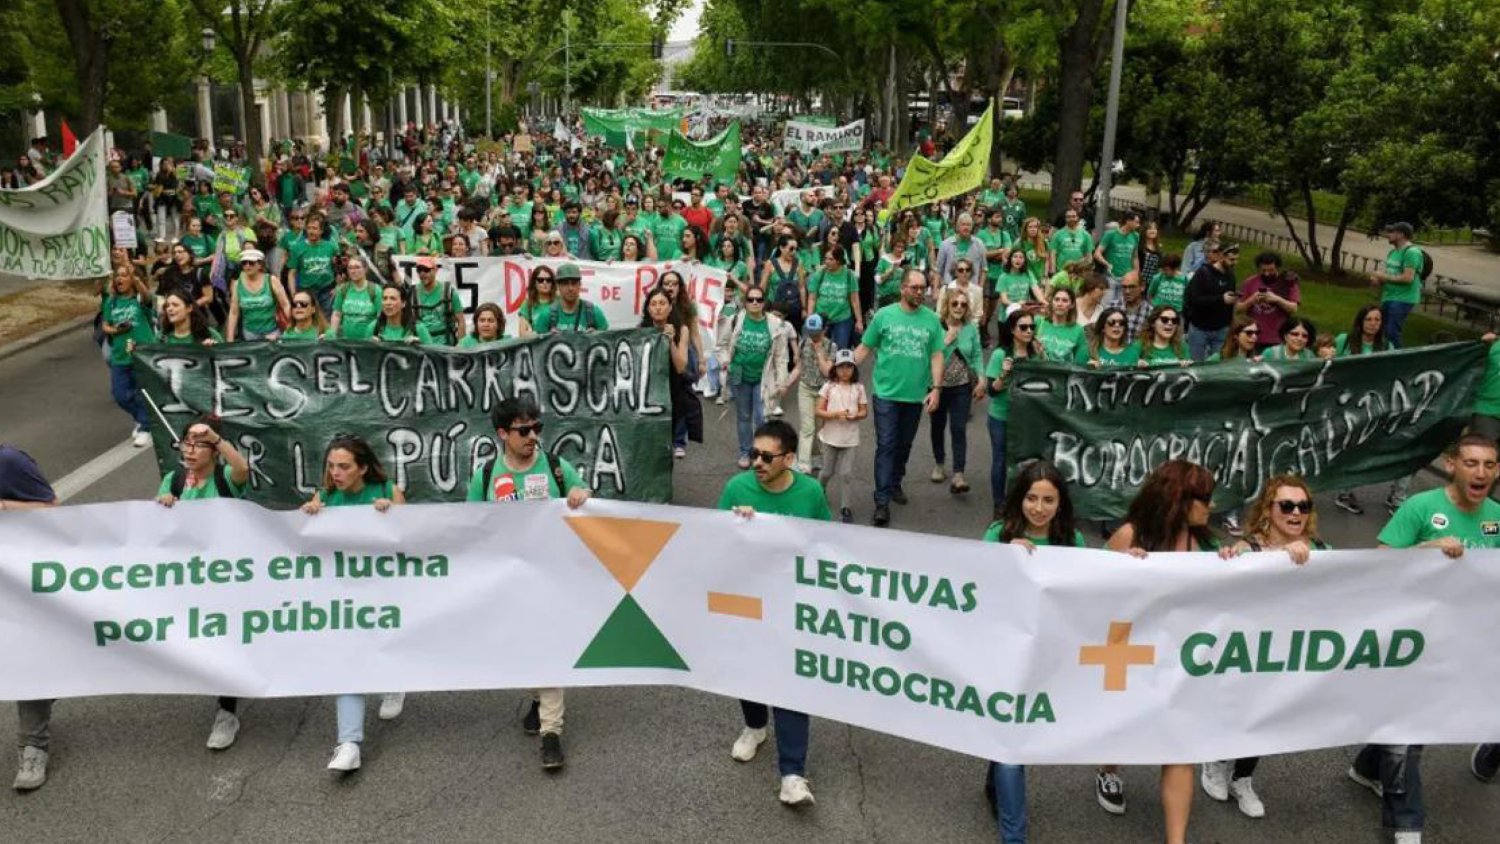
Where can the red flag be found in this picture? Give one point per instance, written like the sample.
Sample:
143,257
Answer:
70,140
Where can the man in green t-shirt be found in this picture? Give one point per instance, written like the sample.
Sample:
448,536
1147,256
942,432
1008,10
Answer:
1119,249
1014,210
522,471
439,308
1070,243
907,339
774,487
571,312
312,265
1401,282
1452,518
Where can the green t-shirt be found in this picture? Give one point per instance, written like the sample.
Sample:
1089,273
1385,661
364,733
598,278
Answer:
1119,249
207,487
432,313
368,494
1157,356
1060,342
1398,261
832,290
804,498
1125,358
171,338
309,334
1016,287
471,341
1071,245
1015,212
991,198
201,245
118,310
360,308
1341,347
751,351
1432,515
605,244
399,334
993,239
257,310
887,286
807,222
999,402
533,484
904,343
1487,399
992,534
667,232
552,317
314,264
1280,353
1167,290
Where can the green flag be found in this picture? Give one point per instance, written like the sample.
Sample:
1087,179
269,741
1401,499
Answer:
1338,423
718,156
168,145
621,127
962,169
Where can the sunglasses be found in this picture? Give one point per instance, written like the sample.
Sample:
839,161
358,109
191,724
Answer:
426,269
959,305
250,263
759,456
1025,326
527,430
545,279
1114,323
1167,320
755,300
964,270
307,304
1288,507
1252,332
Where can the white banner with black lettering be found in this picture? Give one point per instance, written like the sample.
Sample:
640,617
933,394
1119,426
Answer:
59,228
810,137
617,287
1061,656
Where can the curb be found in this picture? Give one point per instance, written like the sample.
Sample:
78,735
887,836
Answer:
37,339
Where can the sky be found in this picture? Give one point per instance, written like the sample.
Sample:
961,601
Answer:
686,26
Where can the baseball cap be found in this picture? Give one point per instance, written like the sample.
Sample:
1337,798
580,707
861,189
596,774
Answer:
252,255
426,261
843,356
814,323
568,271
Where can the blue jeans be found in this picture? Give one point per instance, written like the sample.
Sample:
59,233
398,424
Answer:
1009,784
714,384
324,297
792,730
1202,342
842,333
896,424
127,395
1397,767
997,460
351,717
953,412
748,413
1393,316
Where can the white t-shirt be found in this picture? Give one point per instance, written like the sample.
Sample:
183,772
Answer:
841,433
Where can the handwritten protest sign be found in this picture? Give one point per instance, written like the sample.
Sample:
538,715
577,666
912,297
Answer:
59,227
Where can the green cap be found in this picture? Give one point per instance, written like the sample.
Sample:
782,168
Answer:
569,270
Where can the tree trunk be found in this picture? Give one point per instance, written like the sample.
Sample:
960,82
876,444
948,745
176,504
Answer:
1352,206
333,109
254,151
1078,58
90,61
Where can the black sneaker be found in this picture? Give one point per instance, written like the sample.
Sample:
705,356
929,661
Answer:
1109,789
532,723
1485,762
882,515
1348,503
899,496
846,516
552,755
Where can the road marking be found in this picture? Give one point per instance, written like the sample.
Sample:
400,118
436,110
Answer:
96,470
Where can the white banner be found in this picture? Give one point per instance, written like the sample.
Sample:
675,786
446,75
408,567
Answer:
1064,656
59,227
807,137
618,287
787,199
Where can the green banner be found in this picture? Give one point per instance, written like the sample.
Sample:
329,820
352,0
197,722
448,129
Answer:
615,125
718,156
168,145
1339,423
605,401
818,119
963,169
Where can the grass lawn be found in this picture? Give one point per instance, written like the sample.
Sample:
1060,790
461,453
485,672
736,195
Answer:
1330,303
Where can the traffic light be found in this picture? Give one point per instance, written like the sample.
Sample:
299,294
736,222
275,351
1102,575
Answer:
657,48
729,47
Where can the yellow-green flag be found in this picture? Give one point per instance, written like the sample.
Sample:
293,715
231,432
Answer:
962,169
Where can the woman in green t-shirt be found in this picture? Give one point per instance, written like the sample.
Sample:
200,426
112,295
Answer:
356,304
185,324
397,322
1059,332
1369,327
541,292
200,244
1017,342
1240,343
425,239
256,300
1106,347
125,319
307,321
1016,284
353,476
891,268
489,326
727,258
1297,338
1161,339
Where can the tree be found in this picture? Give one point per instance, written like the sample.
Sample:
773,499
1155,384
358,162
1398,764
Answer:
1079,45
242,28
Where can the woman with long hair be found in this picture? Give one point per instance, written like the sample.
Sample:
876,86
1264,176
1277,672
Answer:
256,300
183,323
1034,244
1059,331
1017,342
1161,339
962,384
1092,288
541,292
397,323
425,239
186,275
125,319
307,323
489,326
1241,343
356,305
1150,253
539,226
607,238
1298,336
353,476
1170,513
661,312
1366,336
727,257
693,243
1015,284
1106,347
635,247
784,281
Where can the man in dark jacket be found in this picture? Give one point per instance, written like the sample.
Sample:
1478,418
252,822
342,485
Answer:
1210,299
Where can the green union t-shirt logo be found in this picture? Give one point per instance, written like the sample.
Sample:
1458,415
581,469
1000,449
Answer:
626,548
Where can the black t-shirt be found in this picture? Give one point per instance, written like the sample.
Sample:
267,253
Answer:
21,479
189,283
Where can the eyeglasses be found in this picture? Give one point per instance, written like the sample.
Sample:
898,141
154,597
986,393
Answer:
251,262
1167,320
759,456
306,304
755,300
545,279
1025,326
190,445
1301,334
526,430
1114,323
958,304
1288,507
964,270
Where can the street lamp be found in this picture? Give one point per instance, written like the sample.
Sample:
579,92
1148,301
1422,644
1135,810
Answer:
209,40
206,90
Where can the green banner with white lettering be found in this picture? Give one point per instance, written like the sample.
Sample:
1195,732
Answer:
621,127
605,402
1339,423
718,156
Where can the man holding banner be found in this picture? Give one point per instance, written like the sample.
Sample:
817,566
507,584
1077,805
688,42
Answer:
23,487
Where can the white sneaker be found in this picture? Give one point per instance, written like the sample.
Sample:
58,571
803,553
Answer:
1249,802
391,704
1373,785
140,437
1409,836
226,727
1215,780
749,741
32,770
795,792
345,757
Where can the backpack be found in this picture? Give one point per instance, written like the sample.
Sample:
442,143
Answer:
554,467
221,483
785,291
1426,271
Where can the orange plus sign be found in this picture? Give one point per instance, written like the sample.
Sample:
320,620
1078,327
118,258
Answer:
1117,655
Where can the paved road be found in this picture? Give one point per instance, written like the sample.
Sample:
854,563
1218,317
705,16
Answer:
644,764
